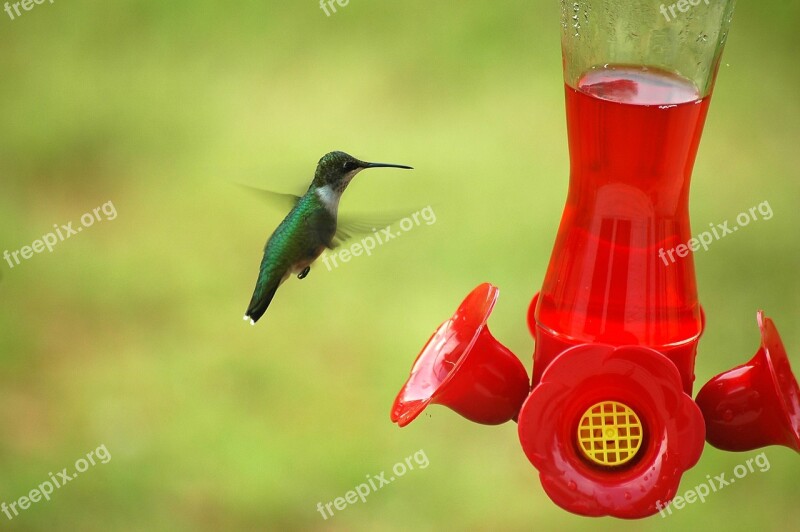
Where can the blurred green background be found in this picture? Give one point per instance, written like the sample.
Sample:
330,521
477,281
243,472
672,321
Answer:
130,334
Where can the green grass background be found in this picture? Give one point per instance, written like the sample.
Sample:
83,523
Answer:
130,334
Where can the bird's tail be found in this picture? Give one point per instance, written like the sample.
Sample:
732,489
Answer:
262,297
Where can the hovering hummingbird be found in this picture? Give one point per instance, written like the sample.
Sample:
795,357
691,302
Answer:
309,228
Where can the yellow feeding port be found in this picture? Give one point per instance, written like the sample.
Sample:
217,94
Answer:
610,433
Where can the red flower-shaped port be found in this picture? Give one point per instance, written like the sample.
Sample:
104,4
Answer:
611,430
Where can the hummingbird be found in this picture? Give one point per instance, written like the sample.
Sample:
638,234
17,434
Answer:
308,229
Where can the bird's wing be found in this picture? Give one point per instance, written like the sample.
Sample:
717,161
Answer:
285,201
352,226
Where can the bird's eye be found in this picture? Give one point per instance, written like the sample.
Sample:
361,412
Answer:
349,165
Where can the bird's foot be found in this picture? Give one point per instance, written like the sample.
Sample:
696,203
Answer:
302,275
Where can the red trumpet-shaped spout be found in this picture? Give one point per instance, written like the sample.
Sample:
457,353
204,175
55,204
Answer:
755,404
464,368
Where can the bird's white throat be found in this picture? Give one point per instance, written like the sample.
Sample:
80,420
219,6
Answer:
329,198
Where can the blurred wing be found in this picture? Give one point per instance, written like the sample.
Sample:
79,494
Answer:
284,201
354,226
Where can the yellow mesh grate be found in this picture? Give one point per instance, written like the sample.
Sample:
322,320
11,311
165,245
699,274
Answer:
610,433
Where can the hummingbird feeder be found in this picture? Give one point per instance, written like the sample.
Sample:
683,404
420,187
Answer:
608,418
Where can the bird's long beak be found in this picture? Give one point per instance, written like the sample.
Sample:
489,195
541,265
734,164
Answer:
387,165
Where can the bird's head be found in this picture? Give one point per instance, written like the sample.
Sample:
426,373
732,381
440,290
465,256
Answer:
336,169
